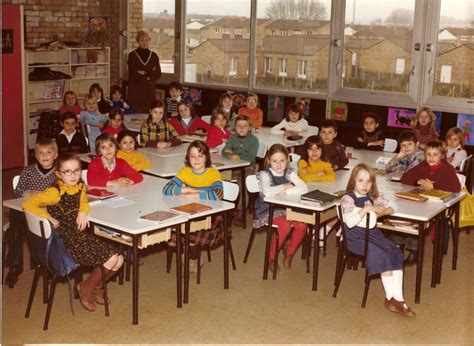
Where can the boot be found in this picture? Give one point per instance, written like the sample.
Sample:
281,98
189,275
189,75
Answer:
85,289
98,293
411,259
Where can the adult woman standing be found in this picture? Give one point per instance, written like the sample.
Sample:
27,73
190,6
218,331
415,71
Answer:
143,71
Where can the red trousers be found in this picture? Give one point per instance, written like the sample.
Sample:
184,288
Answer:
284,228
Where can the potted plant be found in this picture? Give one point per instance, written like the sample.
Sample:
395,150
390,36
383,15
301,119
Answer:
98,35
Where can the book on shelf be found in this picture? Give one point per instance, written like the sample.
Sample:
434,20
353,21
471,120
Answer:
157,216
412,195
190,208
318,198
400,224
101,194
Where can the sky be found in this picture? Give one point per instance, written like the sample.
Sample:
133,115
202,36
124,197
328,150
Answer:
366,10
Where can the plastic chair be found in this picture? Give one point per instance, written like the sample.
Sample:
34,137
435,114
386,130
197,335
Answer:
262,150
464,164
462,179
206,118
84,176
343,254
390,145
313,130
294,158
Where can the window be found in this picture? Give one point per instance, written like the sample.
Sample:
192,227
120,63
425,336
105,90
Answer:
283,32
399,66
302,69
464,38
297,32
274,32
282,67
268,64
238,31
445,75
233,66
225,30
218,29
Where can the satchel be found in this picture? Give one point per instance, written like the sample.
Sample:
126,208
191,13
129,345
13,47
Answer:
58,260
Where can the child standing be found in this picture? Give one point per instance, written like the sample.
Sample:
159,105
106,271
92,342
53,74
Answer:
424,126
116,100
371,137
187,122
277,178
115,122
310,166
128,152
409,155
455,142
106,169
218,132
175,90
225,103
333,151
97,91
293,124
92,119
156,132
67,209
362,200
70,103
252,111
69,139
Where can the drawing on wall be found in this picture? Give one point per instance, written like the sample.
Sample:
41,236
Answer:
339,111
275,108
192,95
400,117
304,103
465,123
7,41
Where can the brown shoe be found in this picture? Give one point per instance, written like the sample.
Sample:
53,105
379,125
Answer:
98,295
271,265
400,308
238,218
85,296
386,303
287,261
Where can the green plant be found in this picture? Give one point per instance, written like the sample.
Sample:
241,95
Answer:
97,37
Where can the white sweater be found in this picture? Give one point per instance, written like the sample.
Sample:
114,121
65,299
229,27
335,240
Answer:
299,126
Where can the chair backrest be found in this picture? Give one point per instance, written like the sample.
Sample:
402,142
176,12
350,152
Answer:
15,181
262,150
84,176
231,191
390,145
462,179
251,182
38,225
464,164
206,118
313,130
294,158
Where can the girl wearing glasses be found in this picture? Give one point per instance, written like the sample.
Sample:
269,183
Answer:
67,209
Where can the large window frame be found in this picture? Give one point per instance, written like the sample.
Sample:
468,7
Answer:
423,58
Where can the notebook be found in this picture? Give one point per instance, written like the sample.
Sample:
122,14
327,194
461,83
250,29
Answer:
412,195
436,195
101,194
157,216
191,208
318,197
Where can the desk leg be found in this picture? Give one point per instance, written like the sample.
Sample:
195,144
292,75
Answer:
179,281
186,263
436,246
10,242
267,244
316,252
135,279
419,264
442,224
456,236
242,194
226,252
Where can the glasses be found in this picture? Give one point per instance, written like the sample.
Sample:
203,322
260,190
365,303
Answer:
69,173
252,100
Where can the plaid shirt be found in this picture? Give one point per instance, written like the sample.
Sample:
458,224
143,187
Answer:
151,134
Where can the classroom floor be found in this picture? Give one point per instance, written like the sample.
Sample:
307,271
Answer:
252,310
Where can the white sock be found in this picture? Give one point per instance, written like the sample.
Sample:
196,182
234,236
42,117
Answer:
323,231
339,232
387,282
398,285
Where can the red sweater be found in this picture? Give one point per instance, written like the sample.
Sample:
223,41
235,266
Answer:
98,175
113,131
75,109
196,123
216,135
255,116
443,175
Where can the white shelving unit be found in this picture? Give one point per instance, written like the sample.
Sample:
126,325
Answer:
85,65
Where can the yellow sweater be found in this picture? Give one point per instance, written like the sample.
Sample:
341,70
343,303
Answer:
316,171
52,196
135,159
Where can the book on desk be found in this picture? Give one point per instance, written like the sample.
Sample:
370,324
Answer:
190,208
157,216
100,194
421,195
318,198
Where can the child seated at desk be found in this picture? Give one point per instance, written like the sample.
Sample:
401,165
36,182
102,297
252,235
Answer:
106,169
67,209
129,153
187,122
92,120
252,111
115,122
156,132
69,139
333,151
371,137
455,142
97,92
424,126
310,166
277,178
33,178
70,104
218,133
383,256
293,124
197,180
116,100
225,102
409,155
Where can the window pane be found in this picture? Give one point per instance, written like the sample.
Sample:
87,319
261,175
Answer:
158,20
294,36
378,44
454,72
221,34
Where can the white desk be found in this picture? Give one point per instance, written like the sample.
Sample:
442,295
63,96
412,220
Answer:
134,121
368,157
179,150
265,136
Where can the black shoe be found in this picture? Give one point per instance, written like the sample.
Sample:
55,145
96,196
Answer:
411,259
12,277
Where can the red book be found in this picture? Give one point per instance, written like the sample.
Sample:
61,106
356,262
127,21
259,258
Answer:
101,193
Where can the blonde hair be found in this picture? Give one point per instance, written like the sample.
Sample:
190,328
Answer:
430,114
216,112
87,98
374,192
455,131
142,33
46,143
275,148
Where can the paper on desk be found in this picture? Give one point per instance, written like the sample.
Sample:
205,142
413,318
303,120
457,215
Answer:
383,160
117,202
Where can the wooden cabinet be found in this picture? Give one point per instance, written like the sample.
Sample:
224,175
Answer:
50,73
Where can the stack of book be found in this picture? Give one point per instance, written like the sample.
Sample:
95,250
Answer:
318,198
421,195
